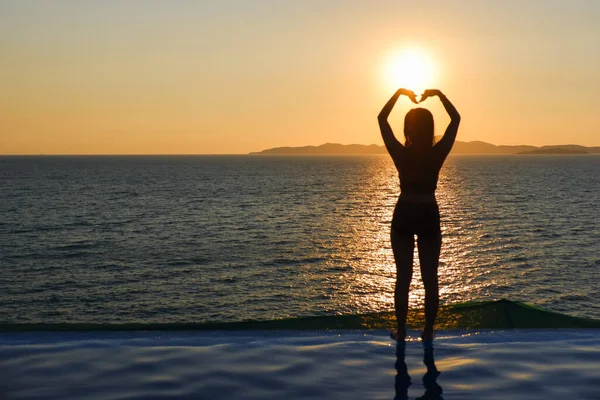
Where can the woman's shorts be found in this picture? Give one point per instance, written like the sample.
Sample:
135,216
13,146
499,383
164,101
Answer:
421,219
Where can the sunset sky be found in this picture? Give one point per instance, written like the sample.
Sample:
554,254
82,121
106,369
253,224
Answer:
212,77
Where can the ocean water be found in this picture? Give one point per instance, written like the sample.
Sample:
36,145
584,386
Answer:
109,239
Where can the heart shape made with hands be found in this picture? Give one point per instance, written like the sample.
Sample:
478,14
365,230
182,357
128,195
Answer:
424,96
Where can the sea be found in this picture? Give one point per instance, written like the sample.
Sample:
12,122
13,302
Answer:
164,239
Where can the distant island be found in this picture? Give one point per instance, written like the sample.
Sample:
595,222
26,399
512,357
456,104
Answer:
555,150
475,147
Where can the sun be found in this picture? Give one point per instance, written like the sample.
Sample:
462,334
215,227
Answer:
412,69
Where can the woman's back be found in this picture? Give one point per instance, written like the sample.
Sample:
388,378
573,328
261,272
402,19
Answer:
419,170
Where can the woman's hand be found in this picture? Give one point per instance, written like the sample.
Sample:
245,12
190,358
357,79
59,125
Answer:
410,94
430,93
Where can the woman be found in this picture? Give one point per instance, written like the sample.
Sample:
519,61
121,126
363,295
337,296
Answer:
418,162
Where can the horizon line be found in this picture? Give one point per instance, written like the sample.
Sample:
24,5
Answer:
256,151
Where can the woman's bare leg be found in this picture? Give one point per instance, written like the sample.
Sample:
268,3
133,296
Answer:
429,257
403,247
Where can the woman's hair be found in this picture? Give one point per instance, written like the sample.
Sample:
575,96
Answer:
418,128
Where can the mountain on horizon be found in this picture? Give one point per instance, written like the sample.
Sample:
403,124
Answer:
475,147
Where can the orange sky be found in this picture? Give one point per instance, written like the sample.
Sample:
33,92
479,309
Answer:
113,77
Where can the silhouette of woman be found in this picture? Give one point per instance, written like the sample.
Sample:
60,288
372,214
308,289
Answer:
418,162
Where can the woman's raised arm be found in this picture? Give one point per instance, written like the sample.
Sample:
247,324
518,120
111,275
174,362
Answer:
447,141
392,144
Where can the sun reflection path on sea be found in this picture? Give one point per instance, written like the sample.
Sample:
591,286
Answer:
369,285
370,282
457,281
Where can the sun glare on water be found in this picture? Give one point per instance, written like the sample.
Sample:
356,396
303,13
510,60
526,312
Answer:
412,69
